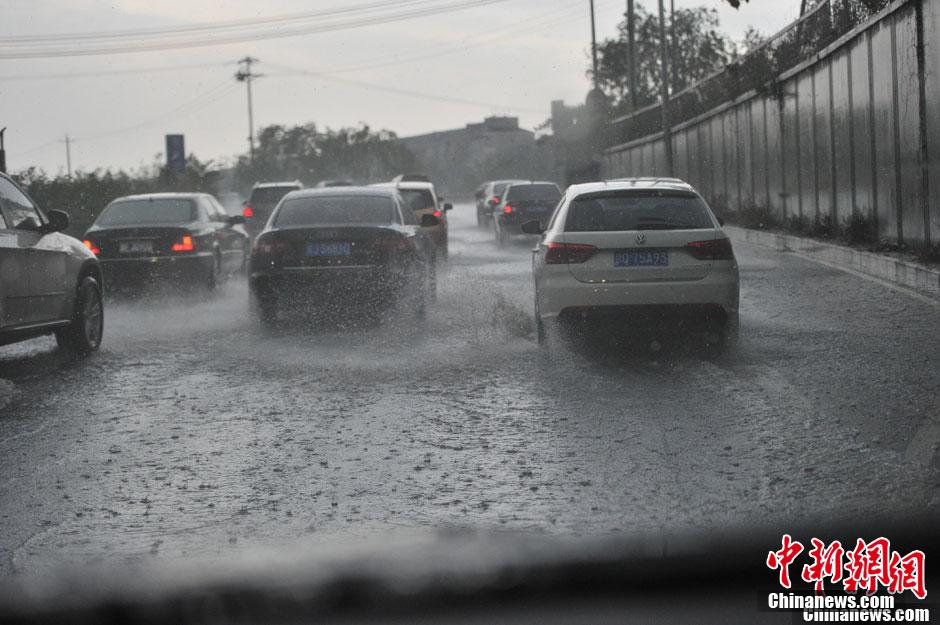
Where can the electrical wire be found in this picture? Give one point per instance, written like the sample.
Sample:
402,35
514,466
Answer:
291,71
16,52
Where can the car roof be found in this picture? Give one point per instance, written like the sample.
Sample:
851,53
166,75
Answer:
269,185
175,195
405,185
627,184
519,183
507,181
344,191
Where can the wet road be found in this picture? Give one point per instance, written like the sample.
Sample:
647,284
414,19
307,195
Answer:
195,434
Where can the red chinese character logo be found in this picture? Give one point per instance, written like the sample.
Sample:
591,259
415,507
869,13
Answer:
827,563
782,559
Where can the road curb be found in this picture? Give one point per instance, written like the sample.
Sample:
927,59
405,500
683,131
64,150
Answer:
900,272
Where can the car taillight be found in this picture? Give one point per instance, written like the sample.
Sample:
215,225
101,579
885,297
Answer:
713,249
507,209
494,200
568,253
248,212
185,244
391,244
269,245
438,214
94,248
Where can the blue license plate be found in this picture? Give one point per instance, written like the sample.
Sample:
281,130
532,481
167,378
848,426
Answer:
328,249
644,258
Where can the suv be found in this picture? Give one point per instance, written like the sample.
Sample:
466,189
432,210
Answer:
51,282
260,204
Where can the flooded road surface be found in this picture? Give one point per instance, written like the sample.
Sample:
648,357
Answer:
195,434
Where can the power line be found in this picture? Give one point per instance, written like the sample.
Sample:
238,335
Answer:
115,72
18,52
198,28
187,108
539,24
396,90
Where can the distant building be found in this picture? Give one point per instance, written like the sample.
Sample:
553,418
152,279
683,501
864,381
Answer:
456,158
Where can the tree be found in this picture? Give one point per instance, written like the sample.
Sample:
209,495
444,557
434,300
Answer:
308,154
700,49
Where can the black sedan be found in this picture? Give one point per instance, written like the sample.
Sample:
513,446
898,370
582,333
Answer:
174,238
341,249
49,282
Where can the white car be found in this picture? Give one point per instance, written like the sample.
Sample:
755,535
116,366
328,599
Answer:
639,248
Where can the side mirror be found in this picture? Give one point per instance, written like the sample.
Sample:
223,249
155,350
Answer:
448,206
721,221
532,227
58,221
235,220
429,221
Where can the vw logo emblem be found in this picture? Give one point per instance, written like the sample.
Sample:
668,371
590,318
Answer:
640,238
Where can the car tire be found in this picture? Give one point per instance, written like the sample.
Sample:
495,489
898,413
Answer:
83,335
481,222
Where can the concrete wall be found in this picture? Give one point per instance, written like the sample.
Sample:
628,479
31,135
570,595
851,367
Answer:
849,134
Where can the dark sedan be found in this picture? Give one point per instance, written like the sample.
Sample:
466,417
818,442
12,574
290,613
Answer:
341,249
173,238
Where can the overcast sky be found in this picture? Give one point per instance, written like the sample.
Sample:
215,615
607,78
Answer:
511,58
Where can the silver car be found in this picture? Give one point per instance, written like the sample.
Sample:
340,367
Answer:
49,282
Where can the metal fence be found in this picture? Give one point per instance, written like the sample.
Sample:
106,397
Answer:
849,134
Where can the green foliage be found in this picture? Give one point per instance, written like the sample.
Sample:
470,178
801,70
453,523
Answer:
309,155
700,50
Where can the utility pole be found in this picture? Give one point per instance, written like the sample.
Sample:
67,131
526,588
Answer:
594,45
631,43
245,75
3,152
664,89
674,47
68,155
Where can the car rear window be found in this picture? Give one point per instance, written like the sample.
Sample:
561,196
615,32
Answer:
336,210
155,211
417,199
638,210
269,195
522,193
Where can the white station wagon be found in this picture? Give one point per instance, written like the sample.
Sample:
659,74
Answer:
647,249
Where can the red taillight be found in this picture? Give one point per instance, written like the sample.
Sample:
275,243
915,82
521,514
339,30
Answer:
568,253
507,209
94,248
184,245
248,212
269,245
391,244
438,214
713,249
494,200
